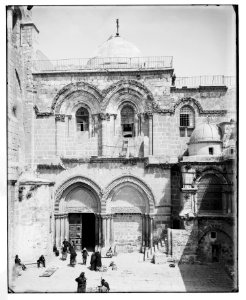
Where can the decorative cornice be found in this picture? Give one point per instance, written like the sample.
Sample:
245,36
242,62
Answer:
78,179
60,117
128,83
74,87
187,101
41,114
139,184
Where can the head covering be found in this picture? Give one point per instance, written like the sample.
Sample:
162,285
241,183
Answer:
82,274
84,248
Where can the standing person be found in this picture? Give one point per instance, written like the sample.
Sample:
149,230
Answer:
84,255
105,286
73,255
81,283
98,260
93,261
173,79
64,253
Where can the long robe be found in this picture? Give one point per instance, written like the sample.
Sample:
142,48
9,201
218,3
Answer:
81,284
98,260
93,261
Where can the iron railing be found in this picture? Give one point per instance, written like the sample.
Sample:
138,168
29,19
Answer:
103,63
213,80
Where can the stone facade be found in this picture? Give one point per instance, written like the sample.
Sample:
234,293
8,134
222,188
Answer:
137,189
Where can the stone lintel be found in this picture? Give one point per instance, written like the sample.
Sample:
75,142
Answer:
36,182
25,24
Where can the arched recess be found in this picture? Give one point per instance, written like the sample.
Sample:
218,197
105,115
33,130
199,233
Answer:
140,94
218,189
75,93
188,101
74,183
132,182
215,245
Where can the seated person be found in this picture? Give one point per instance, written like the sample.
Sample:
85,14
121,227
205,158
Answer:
109,253
18,263
41,260
105,286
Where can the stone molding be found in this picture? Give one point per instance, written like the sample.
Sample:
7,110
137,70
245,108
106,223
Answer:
126,87
139,184
212,227
211,171
60,117
41,114
75,87
78,179
187,101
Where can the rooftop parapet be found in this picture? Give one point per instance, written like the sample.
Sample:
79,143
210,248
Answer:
205,80
103,64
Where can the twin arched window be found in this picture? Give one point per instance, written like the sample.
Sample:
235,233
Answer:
82,119
127,121
186,121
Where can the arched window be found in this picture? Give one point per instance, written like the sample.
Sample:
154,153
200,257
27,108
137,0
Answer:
82,119
127,121
186,121
209,194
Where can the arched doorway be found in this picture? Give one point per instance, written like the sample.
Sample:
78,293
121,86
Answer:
128,208
215,246
77,216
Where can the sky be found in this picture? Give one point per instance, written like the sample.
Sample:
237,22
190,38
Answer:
201,39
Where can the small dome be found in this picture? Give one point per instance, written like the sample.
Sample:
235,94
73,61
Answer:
205,133
116,46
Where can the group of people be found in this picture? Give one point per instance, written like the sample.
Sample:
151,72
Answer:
81,280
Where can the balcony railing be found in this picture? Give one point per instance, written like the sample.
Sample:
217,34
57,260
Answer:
104,63
213,80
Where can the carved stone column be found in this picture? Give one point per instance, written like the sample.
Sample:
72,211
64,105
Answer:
58,231
151,231
66,227
112,230
150,134
143,230
99,231
108,231
147,230
96,230
104,232
62,228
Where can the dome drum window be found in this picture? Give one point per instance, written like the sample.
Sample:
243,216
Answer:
82,119
186,121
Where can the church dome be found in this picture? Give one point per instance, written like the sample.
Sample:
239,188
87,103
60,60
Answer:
116,46
205,133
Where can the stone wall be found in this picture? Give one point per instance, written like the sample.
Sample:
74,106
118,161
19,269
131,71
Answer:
127,232
33,217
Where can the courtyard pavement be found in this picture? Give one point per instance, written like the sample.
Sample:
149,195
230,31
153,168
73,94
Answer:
132,275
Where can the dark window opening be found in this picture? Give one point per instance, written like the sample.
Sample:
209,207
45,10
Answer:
232,151
186,121
176,224
213,235
127,121
211,151
82,119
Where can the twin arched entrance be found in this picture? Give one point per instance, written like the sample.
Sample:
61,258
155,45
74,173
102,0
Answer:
121,216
